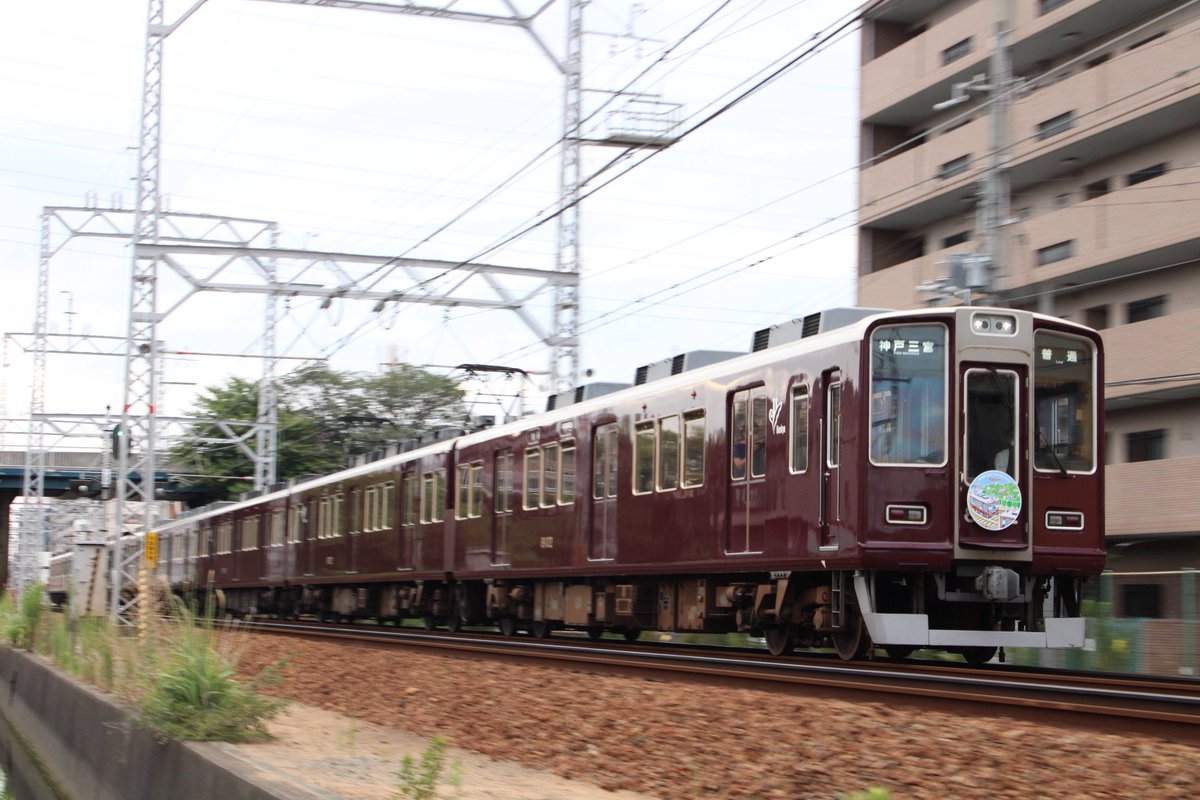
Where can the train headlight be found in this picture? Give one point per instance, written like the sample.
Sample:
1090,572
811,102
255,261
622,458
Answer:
994,324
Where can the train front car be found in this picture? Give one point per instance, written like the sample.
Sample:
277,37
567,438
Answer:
982,498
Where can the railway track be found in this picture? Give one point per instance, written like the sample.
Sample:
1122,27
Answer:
1154,706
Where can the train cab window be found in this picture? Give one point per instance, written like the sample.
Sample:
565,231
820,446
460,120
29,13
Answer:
566,486
668,453
908,395
693,449
549,475
533,478
798,459
643,461
1064,400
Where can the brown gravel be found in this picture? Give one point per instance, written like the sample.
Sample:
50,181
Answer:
686,741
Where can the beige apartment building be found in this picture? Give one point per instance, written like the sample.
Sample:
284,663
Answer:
1102,152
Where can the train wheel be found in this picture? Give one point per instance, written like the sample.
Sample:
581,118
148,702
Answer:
631,634
454,623
541,629
430,622
780,641
851,642
898,652
507,626
978,655
595,633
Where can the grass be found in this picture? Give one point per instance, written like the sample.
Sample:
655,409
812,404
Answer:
180,677
420,778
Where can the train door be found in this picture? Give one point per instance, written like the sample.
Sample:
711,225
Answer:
502,494
602,540
747,497
993,483
831,458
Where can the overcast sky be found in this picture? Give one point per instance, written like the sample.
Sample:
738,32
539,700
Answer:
364,132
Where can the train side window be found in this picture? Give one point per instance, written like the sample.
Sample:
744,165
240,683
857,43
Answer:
475,505
462,505
758,432
693,449
250,533
599,461
643,461
388,500
295,517
533,478
335,526
549,475
668,453
739,439
356,510
277,529
427,498
834,451
566,486
504,482
439,495
799,440
411,498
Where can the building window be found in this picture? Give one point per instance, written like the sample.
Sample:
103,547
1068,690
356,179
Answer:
957,238
1094,190
1055,252
956,51
1146,174
1150,308
1056,125
1146,445
1063,200
1046,6
1142,600
1096,317
955,166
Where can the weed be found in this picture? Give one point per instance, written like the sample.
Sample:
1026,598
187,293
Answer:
874,793
420,777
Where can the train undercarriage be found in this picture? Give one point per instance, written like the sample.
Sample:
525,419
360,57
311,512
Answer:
972,611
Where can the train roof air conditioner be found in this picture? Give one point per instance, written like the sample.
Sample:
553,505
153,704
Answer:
581,393
810,325
681,363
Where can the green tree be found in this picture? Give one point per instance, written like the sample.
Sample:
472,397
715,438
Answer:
325,417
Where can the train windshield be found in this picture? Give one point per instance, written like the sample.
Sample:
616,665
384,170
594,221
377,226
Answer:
1064,403
908,394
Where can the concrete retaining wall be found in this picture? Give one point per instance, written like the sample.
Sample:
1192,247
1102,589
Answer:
87,742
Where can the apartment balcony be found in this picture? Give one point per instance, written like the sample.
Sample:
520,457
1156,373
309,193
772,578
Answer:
1152,497
1147,225
1141,358
1141,97
900,86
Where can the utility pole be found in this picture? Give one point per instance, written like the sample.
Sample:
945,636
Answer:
984,273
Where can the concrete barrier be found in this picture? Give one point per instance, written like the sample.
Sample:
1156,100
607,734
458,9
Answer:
93,751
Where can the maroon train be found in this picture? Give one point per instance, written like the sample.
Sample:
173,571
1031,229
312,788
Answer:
907,479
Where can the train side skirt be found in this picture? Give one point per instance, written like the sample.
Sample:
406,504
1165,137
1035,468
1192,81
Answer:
913,629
